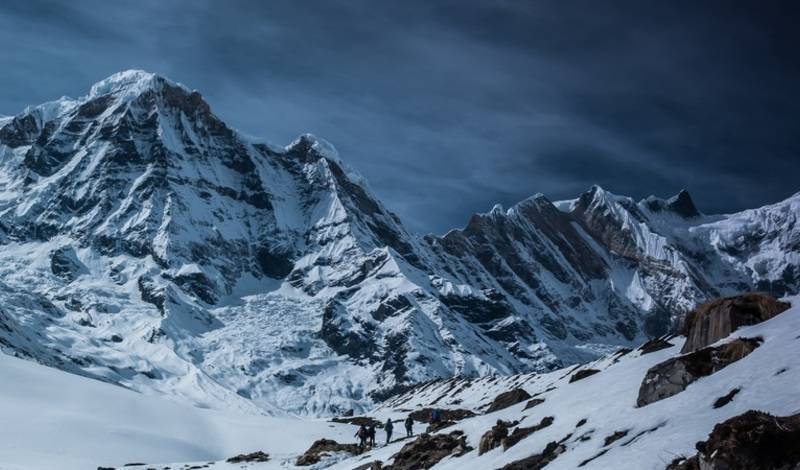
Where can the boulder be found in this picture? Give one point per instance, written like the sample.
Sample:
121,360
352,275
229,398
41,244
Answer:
718,318
506,399
582,374
494,437
251,457
521,433
674,375
321,448
424,415
725,399
358,421
533,402
433,427
655,344
537,461
428,449
754,441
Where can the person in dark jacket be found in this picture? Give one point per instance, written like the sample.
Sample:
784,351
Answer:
361,434
388,428
435,416
409,426
371,435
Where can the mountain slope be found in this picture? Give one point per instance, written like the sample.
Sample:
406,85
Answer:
145,243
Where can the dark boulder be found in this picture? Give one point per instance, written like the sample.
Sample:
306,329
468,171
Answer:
655,344
718,318
533,402
506,399
358,421
251,457
424,415
537,461
753,441
428,449
321,448
433,427
725,399
582,374
494,437
521,433
674,375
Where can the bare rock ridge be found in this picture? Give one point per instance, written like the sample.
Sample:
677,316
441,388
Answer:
256,273
753,440
718,318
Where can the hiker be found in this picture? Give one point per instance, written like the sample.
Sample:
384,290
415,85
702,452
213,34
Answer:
435,416
361,434
409,426
388,428
371,434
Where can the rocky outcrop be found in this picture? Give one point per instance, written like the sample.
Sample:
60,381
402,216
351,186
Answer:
582,374
521,433
655,344
323,447
725,399
538,461
533,402
751,441
494,437
674,375
718,318
506,399
428,449
65,264
424,415
251,457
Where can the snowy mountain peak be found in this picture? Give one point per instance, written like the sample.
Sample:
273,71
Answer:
681,204
132,83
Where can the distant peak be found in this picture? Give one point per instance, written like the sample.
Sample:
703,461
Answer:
682,204
131,82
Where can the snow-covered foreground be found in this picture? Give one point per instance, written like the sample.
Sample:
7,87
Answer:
769,379
50,416
51,419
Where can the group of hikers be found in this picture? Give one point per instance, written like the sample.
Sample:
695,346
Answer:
366,433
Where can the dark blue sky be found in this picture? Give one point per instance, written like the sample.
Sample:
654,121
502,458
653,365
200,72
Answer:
448,107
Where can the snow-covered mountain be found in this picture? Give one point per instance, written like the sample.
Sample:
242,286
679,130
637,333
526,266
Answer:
145,243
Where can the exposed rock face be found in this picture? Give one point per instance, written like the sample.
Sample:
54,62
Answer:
538,461
494,437
251,457
428,449
65,264
725,399
718,318
506,399
751,441
321,447
533,402
424,415
521,433
582,374
674,375
655,344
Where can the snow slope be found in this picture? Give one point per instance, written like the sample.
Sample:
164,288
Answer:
53,419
